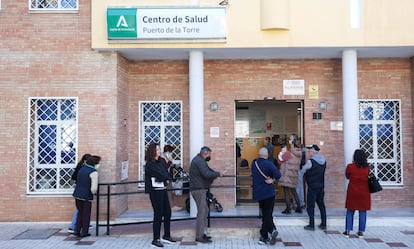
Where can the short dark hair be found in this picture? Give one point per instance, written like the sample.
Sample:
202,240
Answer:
204,149
93,160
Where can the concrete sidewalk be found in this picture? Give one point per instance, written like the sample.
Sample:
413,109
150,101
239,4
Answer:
395,230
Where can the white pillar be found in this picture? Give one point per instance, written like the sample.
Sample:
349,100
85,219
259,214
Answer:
196,104
355,13
350,104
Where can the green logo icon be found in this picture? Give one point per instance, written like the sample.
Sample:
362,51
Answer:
121,23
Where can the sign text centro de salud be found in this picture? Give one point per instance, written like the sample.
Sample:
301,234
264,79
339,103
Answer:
160,23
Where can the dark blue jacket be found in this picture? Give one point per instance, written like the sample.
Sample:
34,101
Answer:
262,190
83,183
315,176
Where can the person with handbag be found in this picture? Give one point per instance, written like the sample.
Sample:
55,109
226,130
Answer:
264,173
358,196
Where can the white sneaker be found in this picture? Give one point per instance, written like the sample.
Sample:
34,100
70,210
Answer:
70,230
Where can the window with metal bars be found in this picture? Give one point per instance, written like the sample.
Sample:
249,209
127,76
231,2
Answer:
160,122
53,4
380,138
52,145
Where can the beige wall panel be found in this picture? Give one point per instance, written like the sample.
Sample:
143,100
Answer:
311,24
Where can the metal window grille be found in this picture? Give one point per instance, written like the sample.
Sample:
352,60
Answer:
52,145
380,137
53,4
161,122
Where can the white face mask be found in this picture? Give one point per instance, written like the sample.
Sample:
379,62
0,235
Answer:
290,141
97,166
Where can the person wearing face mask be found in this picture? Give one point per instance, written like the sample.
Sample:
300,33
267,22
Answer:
201,178
289,169
270,149
86,187
167,161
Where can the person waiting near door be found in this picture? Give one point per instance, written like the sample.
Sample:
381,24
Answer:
263,175
156,177
289,166
167,161
315,178
270,148
201,178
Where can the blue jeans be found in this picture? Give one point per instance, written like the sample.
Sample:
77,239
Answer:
349,221
74,218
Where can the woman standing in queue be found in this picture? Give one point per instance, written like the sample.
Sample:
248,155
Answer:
156,177
358,196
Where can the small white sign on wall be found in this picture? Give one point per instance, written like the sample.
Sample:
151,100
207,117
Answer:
214,132
337,126
124,170
293,87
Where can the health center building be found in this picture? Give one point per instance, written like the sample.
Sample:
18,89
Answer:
108,77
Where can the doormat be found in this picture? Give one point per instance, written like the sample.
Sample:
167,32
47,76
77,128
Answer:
37,234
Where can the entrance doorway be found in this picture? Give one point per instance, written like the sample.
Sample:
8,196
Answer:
256,120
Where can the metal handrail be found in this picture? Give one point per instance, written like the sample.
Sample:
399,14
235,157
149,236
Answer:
108,195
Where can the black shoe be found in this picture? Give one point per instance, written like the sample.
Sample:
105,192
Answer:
157,243
273,236
204,240
168,240
84,235
309,227
263,241
298,210
360,234
286,211
206,237
323,227
346,234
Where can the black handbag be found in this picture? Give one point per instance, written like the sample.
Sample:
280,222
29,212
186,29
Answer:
374,185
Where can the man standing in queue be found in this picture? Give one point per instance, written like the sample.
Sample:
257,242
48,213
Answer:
201,178
264,173
315,178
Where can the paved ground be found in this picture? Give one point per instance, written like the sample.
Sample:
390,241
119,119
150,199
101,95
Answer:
385,229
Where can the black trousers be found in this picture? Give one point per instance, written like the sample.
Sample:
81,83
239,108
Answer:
266,207
316,195
84,216
161,206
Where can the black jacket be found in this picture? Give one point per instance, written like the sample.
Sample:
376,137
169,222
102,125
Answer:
156,169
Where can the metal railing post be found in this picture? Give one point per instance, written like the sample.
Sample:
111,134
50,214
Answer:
108,207
97,212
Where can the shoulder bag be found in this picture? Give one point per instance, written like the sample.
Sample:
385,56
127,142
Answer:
268,179
373,184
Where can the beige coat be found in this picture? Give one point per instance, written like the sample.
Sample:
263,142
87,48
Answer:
289,169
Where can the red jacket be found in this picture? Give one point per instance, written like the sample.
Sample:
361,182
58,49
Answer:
357,195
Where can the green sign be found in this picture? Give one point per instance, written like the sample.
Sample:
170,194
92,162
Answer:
122,23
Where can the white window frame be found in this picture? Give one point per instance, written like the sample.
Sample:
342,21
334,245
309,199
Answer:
59,8
141,132
397,158
32,149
